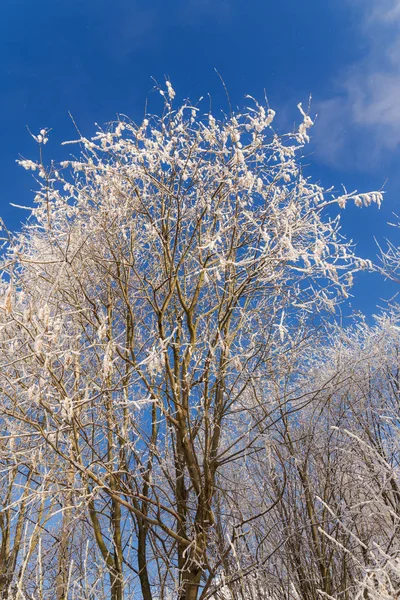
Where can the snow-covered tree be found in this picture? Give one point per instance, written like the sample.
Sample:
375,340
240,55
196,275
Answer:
323,500
164,279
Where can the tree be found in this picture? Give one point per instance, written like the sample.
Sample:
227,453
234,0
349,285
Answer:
314,510
163,275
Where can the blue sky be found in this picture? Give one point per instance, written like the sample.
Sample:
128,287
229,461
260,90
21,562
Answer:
96,59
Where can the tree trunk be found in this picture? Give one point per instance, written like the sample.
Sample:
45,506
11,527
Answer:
64,546
190,584
117,591
142,561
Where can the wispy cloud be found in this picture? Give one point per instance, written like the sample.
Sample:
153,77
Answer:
361,123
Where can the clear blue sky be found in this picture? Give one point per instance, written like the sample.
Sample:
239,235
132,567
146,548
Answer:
96,59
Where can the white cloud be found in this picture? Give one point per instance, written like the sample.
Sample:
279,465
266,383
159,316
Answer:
367,105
